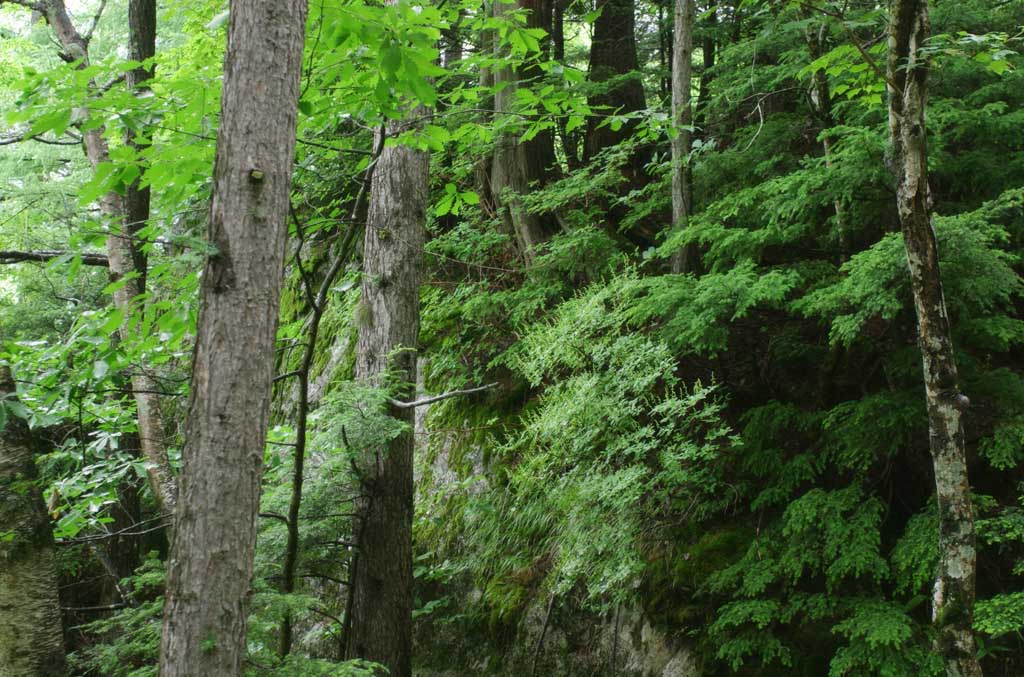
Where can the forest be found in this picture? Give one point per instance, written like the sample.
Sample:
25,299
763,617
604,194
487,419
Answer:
511,337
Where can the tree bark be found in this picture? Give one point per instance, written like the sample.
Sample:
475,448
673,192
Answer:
381,609
683,259
953,592
613,55
31,640
211,560
129,260
516,165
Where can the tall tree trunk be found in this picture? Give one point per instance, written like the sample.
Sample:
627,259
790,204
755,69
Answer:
570,140
953,593
31,640
211,560
127,258
683,259
708,47
612,56
318,304
381,609
821,101
516,165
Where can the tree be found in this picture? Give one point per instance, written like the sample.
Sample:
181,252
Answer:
212,556
517,164
389,324
953,592
682,119
614,70
125,259
31,639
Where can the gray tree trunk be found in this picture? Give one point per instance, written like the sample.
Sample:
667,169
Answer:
682,120
211,561
31,639
953,594
381,610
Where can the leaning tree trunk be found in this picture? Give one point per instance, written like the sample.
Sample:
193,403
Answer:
211,560
381,609
31,640
682,121
953,593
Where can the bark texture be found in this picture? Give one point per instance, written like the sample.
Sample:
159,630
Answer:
682,120
516,165
211,561
953,593
613,57
31,643
381,607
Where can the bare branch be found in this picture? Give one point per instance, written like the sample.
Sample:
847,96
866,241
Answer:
95,21
88,258
438,398
276,516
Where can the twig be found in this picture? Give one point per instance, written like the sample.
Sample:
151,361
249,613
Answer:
107,607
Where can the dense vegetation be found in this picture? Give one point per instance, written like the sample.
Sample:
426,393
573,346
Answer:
725,463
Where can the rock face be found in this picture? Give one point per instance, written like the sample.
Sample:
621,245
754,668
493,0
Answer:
551,639
646,651
575,644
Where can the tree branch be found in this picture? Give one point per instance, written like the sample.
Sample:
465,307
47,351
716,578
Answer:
438,398
88,258
95,21
37,6
11,140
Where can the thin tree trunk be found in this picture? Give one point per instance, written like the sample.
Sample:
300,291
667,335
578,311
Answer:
682,120
211,560
124,258
31,640
570,140
381,613
953,593
291,550
708,47
131,260
822,104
